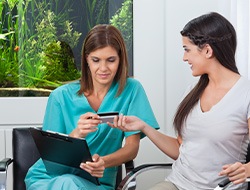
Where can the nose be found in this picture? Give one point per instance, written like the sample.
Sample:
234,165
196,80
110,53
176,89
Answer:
103,66
184,58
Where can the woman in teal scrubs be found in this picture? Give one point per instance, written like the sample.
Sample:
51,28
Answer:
72,109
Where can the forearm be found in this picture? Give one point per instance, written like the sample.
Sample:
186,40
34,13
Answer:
247,169
168,145
126,153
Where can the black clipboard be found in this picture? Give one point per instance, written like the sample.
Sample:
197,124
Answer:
62,154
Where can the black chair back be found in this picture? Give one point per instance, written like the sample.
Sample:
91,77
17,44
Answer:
25,154
248,153
248,160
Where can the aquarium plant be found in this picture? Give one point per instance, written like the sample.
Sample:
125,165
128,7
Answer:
40,40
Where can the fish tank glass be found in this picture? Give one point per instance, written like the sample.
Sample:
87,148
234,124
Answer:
41,41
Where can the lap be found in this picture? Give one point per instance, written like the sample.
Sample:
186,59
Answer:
164,185
65,182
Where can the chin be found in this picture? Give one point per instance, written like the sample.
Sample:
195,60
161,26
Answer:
196,75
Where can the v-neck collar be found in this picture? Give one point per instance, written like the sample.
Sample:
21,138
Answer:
222,100
110,91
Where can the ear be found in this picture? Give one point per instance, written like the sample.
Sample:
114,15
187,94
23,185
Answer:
208,51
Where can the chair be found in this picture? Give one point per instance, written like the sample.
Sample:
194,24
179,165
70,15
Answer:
131,176
25,154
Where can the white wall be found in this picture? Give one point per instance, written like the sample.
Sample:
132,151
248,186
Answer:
158,52
158,66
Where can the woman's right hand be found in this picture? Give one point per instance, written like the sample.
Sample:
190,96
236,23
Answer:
95,168
87,123
128,123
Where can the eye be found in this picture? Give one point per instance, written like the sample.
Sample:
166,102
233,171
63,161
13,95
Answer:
111,59
186,50
96,60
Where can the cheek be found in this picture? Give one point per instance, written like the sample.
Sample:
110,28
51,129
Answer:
92,68
196,58
114,67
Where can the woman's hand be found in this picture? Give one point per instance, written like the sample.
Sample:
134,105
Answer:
87,123
95,168
237,172
128,123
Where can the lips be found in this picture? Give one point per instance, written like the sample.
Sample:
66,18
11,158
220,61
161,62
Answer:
103,76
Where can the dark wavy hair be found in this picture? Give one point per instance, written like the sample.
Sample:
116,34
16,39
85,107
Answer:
219,33
98,37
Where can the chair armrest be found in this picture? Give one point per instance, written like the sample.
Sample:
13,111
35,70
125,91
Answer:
3,171
226,183
129,166
140,169
5,163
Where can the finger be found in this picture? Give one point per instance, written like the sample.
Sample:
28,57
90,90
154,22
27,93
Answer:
232,169
95,157
238,181
226,166
97,174
92,167
119,123
115,122
124,122
116,118
87,115
88,123
111,125
92,171
87,128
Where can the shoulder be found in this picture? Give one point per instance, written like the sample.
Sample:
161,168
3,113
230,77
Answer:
133,88
131,82
244,81
69,89
243,86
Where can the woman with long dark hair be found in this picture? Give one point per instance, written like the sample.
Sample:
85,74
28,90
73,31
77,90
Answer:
212,121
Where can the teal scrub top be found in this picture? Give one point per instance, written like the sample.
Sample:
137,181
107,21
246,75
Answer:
64,108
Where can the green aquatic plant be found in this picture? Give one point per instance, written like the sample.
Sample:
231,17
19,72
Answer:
123,20
36,69
8,43
59,62
39,39
96,12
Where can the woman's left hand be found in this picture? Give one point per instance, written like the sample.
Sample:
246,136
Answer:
95,168
237,172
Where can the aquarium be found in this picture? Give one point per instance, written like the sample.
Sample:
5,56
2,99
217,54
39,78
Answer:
41,40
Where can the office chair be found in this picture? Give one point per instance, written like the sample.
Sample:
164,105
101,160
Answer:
131,176
25,154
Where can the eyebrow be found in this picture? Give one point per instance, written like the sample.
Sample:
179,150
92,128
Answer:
112,56
98,57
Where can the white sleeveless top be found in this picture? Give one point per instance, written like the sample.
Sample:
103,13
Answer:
212,139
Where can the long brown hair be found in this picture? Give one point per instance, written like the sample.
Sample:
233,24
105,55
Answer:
218,32
101,36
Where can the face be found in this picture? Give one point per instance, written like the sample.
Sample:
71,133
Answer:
103,64
195,57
